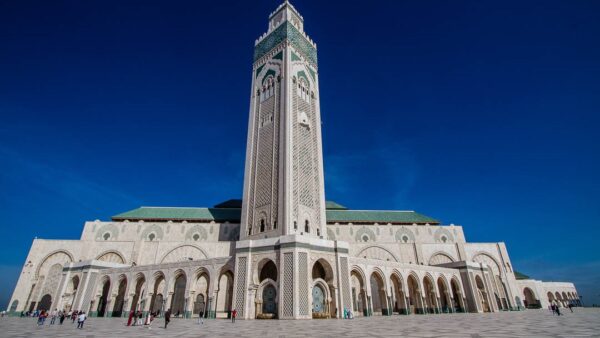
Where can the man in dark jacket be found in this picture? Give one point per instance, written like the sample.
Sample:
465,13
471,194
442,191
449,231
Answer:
167,317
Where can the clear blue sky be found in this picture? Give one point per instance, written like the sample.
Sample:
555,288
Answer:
478,113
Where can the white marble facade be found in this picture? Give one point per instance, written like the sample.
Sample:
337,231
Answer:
282,251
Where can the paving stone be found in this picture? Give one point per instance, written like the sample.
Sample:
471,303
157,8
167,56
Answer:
530,323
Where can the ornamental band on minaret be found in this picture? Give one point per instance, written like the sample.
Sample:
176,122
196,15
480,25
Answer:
282,251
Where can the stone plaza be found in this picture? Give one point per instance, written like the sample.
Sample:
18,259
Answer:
584,322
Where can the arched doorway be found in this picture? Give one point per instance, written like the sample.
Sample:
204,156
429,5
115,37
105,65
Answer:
444,296
399,299
200,305
529,299
323,299
201,291
102,302
45,303
266,297
139,294
414,295
378,297
483,296
457,299
225,294
551,299
71,293
430,297
359,299
269,297
120,300
178,302
495,289
157,300
158,303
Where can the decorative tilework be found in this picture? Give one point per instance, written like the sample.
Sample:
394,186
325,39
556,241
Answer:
286,31
288,285
303,283
240,289
345,277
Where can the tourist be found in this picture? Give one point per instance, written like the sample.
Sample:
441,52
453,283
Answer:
41,318
53,315
147,321
557,311
571,307
151,319
62,317
167,317
81,319
130,318
74,316
140,318
200,320
233,315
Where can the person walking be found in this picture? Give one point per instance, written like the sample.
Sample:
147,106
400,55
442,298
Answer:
61,317
233,315
140,317
130,318
81,319
167,317
53,315
151,319
200,320
40,320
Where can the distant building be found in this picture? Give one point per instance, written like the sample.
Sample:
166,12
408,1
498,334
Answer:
282,251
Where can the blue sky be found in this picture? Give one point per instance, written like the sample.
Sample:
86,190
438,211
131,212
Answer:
478,113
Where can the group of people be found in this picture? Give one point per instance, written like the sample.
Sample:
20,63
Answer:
136,318
42,315
555,309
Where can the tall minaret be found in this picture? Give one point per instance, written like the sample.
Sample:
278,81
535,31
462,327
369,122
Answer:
283,179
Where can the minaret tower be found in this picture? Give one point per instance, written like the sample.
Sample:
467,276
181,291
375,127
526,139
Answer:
283,227
283,181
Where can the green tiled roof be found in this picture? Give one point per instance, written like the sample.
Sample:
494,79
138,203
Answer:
331,205
379,216
174,213
519,275
233,215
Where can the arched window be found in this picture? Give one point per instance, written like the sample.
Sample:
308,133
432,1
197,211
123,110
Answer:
262,225
275,225
249,230
106,236
306,227
318,232
295,225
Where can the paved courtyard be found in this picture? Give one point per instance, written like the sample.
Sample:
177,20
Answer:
531,323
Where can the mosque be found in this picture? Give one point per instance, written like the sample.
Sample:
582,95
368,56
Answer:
282,251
